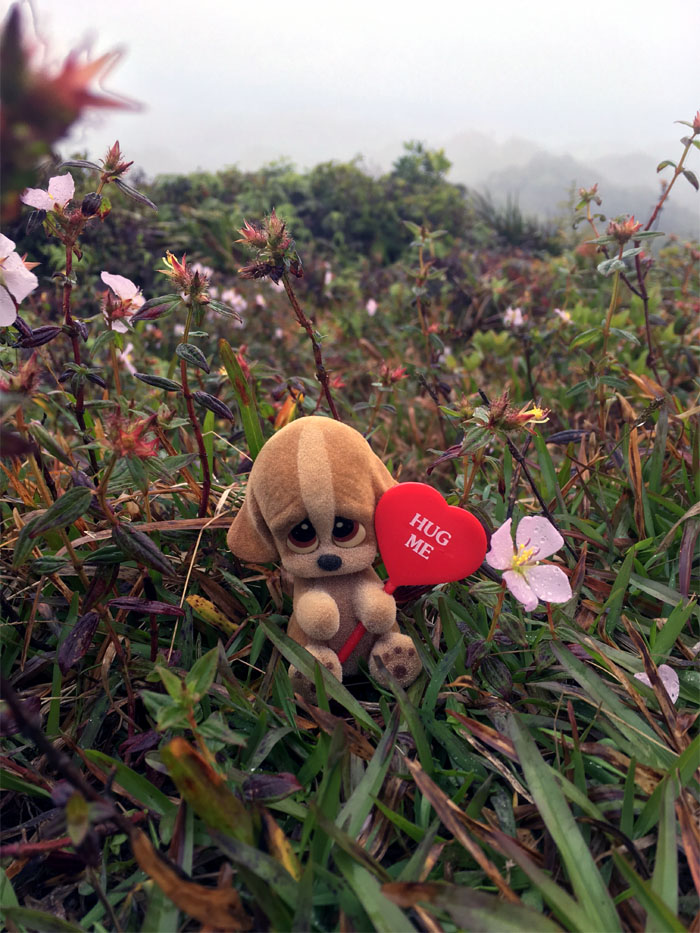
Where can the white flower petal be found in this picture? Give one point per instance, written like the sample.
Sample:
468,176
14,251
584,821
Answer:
8,312
550,583
122,287
538,533
62,188
500,556
18,279
7,246
37,198
518,586
668,678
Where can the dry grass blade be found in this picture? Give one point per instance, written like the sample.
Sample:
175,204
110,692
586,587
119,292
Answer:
450,815
216,908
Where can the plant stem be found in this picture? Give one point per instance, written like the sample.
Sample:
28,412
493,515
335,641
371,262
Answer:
77,359
321,373
496,613
107,509
194,421
678,171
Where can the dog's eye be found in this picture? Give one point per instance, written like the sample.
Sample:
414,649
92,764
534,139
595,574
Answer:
347,533
302,538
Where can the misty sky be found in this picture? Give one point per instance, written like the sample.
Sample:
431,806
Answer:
242,83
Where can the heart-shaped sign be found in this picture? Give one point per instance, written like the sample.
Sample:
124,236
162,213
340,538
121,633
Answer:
424,540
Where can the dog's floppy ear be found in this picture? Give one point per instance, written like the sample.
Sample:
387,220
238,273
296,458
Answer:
249,537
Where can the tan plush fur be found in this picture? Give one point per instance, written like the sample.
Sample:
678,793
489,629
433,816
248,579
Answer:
310,503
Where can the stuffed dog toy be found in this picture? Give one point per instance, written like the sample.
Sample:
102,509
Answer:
311,497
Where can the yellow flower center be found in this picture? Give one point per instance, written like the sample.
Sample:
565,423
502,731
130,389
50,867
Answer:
523,556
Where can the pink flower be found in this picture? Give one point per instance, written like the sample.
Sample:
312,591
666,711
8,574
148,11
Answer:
527,579
668,678
371,307
126,360
16,281
513,317
130,297
564,315
61,190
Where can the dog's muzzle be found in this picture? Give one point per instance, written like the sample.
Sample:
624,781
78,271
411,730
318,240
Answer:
329,562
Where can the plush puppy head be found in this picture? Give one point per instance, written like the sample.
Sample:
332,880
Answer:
310,502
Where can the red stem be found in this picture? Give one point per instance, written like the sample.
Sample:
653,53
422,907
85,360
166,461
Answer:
321,373
206,474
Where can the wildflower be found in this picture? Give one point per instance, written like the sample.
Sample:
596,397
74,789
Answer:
525,416
696,122
389,376
25,380
235,299
260,301
371,307
16,281
61,190
190,281
588,195
564,315
527,579
127,438
130,297
668,677
513,317
202,269
252,235
623,230
113,165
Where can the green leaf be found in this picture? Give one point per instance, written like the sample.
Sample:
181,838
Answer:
613,604
8,898
306,663
245,396
692,178
64,511
664,164
201,677
44,439
586,336
586,880
25,542
193,355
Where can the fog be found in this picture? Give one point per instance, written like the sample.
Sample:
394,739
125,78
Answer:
245,83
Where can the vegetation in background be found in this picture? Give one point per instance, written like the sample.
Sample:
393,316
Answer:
157,771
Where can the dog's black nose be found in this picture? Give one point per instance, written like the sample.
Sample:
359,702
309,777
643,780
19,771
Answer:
329,562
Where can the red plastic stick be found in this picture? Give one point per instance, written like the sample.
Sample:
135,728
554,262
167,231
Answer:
357,633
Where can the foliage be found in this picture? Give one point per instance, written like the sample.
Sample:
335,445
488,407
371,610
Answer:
157,768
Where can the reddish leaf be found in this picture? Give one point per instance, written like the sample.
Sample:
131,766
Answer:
78,641
270,786
145,606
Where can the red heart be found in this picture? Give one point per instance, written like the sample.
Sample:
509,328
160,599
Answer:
424,540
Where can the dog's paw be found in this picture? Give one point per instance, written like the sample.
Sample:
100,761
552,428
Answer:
375,609
398,655
325,656
317,614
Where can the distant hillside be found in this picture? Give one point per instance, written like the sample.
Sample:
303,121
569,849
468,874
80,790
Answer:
542,181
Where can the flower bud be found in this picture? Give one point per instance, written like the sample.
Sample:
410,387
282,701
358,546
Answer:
91,204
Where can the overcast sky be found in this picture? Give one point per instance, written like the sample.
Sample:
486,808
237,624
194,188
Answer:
229,82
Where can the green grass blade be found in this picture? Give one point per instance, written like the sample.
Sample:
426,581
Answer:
245,396
384,914
659,917
139,787
304,662
664,881
361,801
470,909
591,891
